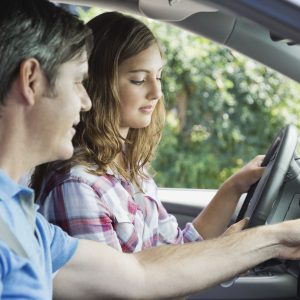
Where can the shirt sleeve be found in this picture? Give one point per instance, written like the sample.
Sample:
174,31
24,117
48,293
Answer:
62,246
77,208
169,231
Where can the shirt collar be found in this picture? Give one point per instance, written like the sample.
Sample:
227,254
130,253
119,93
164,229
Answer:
109,171
116,174
10,189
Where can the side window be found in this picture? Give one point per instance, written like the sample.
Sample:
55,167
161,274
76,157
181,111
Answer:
222,108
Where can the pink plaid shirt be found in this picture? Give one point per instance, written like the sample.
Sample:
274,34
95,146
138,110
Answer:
107,209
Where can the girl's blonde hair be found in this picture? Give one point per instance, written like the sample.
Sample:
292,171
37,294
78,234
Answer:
97,142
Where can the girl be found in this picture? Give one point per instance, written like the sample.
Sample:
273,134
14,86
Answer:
106,192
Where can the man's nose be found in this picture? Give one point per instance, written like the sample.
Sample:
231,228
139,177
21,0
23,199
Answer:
86,102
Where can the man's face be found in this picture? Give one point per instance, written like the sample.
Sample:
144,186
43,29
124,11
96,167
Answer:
60,110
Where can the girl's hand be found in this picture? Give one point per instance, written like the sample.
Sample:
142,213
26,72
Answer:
246,176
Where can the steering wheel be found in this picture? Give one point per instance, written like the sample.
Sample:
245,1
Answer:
261,196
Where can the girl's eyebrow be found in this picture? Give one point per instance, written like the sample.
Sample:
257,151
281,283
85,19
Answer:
143,70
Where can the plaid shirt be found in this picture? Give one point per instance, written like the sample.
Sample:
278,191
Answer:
107,209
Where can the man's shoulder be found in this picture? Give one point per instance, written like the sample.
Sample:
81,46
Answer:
61,244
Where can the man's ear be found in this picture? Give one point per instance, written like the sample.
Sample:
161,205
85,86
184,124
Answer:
31,80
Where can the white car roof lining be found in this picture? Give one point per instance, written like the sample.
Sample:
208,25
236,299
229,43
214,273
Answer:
235,32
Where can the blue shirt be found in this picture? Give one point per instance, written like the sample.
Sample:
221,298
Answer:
48,248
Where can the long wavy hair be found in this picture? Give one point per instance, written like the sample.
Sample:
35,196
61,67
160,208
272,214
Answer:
97,142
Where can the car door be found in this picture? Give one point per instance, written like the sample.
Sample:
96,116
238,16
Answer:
223,22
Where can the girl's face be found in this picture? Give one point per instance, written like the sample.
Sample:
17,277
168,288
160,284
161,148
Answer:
139,88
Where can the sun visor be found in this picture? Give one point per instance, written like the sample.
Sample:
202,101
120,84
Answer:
172,10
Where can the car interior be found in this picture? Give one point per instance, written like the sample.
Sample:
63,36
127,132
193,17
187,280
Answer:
268,32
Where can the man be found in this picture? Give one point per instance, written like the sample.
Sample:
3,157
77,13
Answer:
44,61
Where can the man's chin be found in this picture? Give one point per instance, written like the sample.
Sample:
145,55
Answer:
67,154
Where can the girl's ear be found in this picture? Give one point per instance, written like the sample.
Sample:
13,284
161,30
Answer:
31,80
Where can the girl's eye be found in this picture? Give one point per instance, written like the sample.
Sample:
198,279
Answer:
159,79
137,82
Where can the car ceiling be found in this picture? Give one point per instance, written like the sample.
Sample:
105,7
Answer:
224,25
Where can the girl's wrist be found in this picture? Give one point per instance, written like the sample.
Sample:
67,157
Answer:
232,187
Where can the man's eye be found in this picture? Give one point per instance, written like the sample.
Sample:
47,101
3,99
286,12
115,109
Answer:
137,82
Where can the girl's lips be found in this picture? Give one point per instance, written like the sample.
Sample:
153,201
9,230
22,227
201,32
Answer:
147,109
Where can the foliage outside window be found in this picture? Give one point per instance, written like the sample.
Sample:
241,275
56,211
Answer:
222,108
